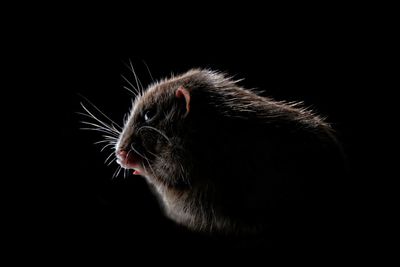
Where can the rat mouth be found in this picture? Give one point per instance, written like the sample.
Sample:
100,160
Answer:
130,160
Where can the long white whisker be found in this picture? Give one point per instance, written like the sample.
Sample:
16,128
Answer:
84,114
112,153
111,127
100,127
148,70
98,130
101,112
119,171
138,83
115,129
111,134
114,159
105,141
134,88
115,173
109,137
104,125
130,90
97,119
104,147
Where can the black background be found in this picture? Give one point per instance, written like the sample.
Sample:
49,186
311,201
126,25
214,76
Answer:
74,204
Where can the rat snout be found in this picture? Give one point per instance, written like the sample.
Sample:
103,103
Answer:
122,157
121,154
128,160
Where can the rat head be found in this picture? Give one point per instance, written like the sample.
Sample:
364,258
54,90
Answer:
166,122
152,141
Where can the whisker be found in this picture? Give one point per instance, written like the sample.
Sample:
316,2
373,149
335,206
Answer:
110,134
91,117
115,173
105,141
111,127
138,83
112,153
134,88
148,70
115,129
98,130
109,137
101,112
104,147
114,159
97,119
99,126
130,90
119,171
84,114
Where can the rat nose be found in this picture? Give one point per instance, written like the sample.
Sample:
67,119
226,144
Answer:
121,154
128,160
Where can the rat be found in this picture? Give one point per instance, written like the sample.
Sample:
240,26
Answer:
225,159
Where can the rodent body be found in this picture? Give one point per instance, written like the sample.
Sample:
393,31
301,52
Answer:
225,159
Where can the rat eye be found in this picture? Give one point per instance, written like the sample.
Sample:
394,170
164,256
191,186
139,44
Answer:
149,114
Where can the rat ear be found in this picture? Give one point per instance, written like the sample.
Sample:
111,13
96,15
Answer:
182,92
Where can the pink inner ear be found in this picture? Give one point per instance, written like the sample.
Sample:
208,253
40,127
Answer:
183,92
